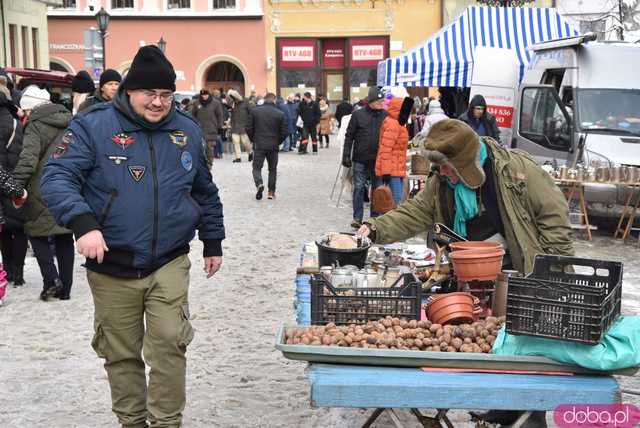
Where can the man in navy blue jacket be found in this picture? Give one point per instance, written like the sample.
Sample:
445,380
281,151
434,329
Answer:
130,179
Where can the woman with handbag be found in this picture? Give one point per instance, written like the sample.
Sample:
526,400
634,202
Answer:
391,162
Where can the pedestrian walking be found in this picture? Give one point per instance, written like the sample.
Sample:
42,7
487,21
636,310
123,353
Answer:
282,106
207,111
293,104
391,162
219,146
13,240
239,122
109,82
324,127
478,118
133,184
361,149
309,112
81,88
267,129
44,138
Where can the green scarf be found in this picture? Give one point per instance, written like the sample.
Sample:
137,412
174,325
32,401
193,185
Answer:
465,199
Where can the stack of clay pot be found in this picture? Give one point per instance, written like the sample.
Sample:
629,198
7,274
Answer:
476,260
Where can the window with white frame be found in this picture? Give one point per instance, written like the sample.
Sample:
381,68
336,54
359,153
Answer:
67,4
121,4
224,4
178,4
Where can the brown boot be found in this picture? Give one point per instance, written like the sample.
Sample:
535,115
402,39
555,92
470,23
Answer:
271,195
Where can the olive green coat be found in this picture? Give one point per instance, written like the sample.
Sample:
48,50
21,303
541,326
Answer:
533,209
46,122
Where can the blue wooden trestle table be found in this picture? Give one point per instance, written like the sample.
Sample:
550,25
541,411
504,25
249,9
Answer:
381,388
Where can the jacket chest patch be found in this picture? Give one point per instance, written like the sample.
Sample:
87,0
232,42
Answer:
137,172
186,160
117,159
178,138
123,140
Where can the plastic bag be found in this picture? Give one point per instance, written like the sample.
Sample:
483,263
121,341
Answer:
618,349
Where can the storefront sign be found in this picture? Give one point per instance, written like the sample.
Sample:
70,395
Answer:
367,52
65,47
297,53
333,53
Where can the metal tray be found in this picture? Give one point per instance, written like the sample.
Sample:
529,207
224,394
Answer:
403,358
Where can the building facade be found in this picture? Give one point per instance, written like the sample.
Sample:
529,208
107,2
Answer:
333,47
24,33
211,43
609,19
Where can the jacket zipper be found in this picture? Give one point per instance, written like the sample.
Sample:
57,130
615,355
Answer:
154,173
107,210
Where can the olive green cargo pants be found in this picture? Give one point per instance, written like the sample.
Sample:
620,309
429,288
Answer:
121,308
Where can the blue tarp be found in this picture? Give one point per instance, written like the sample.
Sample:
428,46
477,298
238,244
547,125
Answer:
446,59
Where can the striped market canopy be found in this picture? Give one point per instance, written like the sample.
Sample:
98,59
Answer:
446,59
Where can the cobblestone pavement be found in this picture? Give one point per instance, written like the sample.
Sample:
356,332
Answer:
50,377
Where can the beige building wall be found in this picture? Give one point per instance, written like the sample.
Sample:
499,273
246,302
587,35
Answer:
406,22
29,19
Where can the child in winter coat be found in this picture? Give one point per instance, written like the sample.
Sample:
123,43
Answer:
391,162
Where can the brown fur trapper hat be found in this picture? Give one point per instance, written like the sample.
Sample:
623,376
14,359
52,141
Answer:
454,142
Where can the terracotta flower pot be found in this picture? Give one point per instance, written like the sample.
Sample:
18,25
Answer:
451,308
479,264
473,245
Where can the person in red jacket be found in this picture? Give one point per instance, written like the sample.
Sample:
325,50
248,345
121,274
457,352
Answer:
391,162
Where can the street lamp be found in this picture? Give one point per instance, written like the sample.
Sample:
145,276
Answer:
162,44
103,22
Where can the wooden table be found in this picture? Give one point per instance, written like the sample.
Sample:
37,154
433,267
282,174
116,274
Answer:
629,212
388,388
575,190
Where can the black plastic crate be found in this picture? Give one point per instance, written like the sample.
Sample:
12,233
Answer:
565,298
359,305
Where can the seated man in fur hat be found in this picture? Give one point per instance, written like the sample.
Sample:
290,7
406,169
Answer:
483,191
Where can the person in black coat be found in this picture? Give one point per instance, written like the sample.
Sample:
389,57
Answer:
13,241
478,118
361,149
267,128
343,109
309,111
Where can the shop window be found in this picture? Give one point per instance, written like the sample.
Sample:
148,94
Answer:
121,4
297,81
224,4
35,51
360,79
179,4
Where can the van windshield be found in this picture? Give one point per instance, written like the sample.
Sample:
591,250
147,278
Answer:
609,109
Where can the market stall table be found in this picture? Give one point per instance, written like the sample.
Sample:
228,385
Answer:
381,388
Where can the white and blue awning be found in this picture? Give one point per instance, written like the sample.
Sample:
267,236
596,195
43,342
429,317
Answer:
446,59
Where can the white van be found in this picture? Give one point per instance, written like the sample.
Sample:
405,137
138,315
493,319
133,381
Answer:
579,102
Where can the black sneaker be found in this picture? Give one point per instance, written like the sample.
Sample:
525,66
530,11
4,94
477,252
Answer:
44,296
259,192
56,289
18,282
238,160
250,157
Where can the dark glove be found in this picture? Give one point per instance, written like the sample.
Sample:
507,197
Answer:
346,162
386,179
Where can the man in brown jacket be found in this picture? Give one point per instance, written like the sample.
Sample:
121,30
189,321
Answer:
483,191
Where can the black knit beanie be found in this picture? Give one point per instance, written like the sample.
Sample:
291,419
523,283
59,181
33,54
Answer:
109,75
83,83
150,69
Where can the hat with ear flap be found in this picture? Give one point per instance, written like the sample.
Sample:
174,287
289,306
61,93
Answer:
453,142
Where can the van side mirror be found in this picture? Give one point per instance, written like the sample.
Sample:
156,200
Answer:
544,119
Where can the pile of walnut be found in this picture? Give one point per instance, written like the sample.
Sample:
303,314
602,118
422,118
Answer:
395,333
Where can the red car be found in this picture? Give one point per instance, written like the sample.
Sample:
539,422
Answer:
58,83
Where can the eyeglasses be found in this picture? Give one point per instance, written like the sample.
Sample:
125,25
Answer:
164,97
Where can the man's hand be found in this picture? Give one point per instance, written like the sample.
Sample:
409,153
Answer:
364,231
346,162
212,265
92,245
